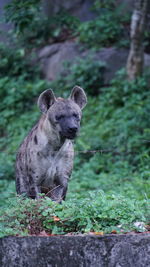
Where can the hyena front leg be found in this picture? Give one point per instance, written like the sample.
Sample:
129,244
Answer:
25,186
58,193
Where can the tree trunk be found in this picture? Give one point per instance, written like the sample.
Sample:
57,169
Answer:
136,55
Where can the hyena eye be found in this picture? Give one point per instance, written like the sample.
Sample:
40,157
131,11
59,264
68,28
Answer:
60,117
75,115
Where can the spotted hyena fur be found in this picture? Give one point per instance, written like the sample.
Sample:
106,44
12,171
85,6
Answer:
45,158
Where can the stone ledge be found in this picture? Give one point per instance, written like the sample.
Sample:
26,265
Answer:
76,251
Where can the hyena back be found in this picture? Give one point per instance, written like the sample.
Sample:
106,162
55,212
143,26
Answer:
45,158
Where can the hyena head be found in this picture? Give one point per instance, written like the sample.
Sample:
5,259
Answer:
64,115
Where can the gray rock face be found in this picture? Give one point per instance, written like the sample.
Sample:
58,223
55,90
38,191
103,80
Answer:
53,56
76,251
80,8
4,26
114,58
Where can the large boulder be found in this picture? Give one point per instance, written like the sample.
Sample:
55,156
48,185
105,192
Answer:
114,58
4,27
73,251
52,58
79,8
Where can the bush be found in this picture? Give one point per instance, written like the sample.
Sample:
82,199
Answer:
33,28
104,31
86,72
121,122
15,62
97,213
108,28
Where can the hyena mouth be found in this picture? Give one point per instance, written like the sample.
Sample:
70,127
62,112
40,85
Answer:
72,136
68,135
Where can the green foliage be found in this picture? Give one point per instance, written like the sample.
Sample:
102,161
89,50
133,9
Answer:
112,174
22,13
15,62
7,191
98,212
121,122
86,72
102,31
32,27
108,28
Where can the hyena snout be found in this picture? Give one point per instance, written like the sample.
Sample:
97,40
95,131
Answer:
70,129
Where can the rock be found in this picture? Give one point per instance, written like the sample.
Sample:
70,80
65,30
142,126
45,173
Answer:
89,251
115,59
79,8
146,60
52,58
4,27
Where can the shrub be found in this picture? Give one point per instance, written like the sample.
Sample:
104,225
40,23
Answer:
15,62
99,212
103,31
108,28
33,28
86,72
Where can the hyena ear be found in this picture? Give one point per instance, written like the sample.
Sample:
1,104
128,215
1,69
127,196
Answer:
78,96
45,100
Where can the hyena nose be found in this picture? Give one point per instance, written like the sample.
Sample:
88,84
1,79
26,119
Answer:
72,129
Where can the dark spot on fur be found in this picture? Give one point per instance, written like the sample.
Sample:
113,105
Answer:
53,154
37,176
35,140
19,156
31,181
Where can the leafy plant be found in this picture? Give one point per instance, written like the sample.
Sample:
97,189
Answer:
32,27
22,13
86,72
108,28
102,31
98,212
15,62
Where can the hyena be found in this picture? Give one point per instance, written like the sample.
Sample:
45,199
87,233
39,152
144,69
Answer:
45,158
